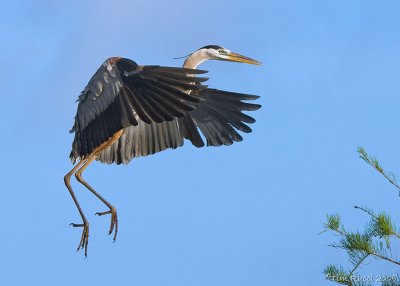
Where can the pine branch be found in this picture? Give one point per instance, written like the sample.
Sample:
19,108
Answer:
381,224
372,161
358,264
337,275
357,245
333,223
385,258
369,243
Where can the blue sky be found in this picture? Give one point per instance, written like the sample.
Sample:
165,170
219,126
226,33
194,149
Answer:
248,214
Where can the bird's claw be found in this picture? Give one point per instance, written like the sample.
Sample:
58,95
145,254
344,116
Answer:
83,244
114,221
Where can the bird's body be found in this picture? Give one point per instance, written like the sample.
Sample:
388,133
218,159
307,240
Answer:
140,100
127,111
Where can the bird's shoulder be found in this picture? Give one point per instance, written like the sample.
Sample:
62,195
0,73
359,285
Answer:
109,73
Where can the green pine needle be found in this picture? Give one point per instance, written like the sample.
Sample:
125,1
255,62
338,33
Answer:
337,274
372,161
332,222
372,242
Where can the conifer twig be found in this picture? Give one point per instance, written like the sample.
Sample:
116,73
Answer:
369,243
373,162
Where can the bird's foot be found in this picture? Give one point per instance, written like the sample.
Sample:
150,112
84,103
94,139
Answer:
83,244
114,221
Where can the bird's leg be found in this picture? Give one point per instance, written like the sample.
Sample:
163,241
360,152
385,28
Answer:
85,224
112,210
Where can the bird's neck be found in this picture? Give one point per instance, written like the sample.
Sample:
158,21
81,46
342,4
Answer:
195,59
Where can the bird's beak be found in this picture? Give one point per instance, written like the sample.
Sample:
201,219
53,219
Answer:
234,57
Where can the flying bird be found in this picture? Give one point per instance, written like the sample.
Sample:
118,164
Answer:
127,111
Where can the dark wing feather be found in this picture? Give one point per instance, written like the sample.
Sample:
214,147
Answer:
143,140
121,94
217,116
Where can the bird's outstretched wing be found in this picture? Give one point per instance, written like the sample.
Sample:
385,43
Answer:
217,116
122,93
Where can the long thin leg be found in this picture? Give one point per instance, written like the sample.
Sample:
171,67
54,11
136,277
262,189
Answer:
86,161
85,224
112,211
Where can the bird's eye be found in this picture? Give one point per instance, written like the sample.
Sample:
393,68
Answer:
221,51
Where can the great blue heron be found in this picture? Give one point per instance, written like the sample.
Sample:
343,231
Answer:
127,111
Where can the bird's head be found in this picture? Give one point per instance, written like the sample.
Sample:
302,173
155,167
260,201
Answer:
214,52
